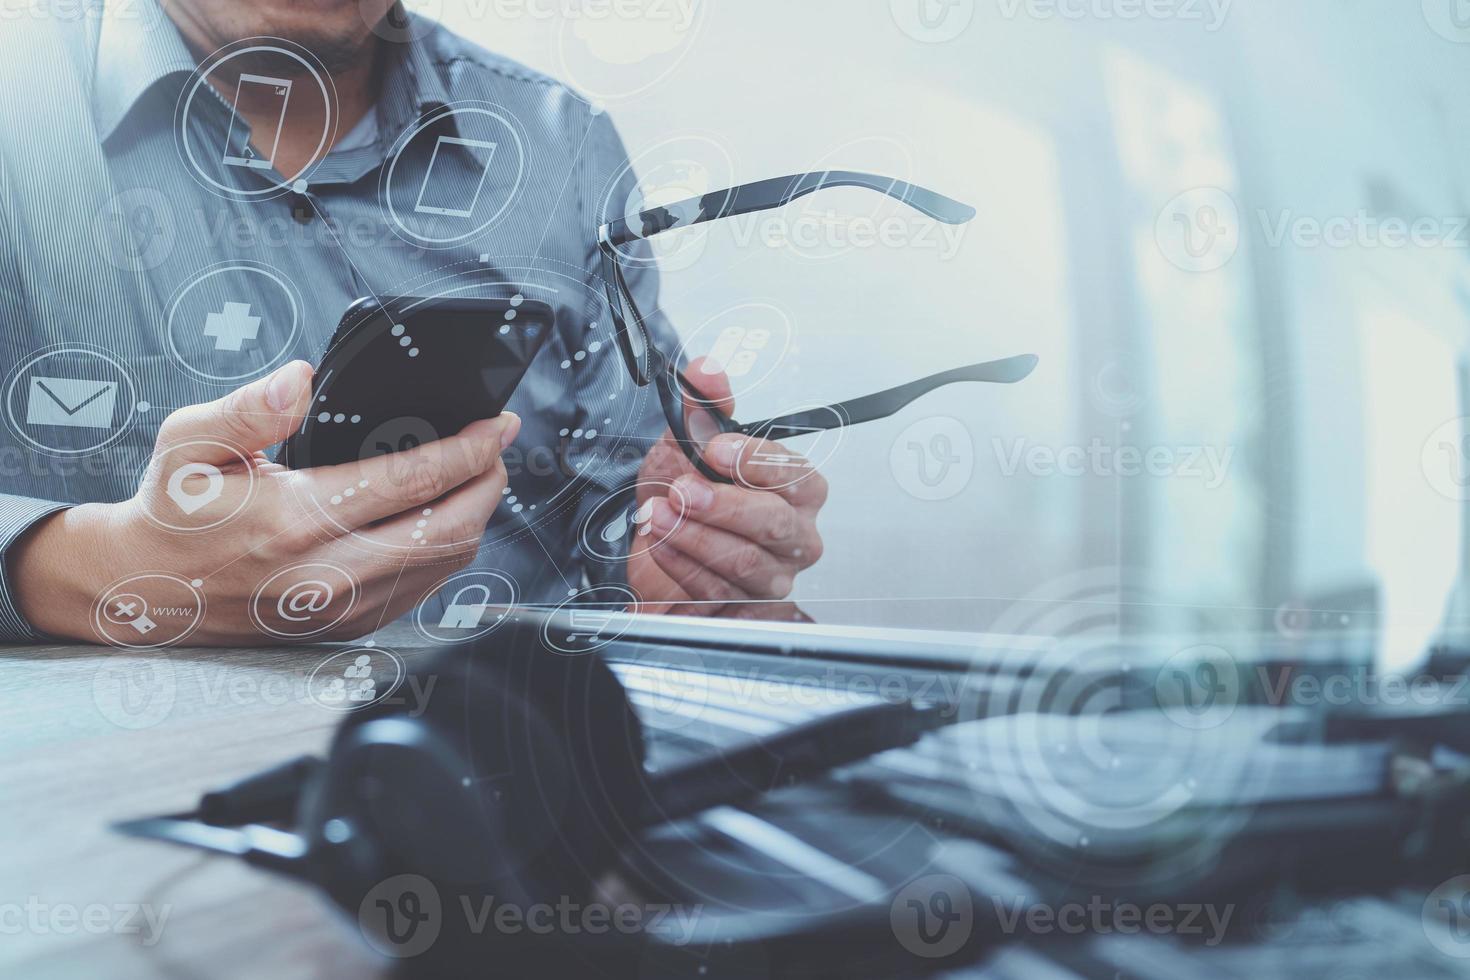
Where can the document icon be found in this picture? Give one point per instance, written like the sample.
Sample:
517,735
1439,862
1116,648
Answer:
76,402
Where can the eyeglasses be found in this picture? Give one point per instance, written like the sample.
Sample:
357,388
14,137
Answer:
694,420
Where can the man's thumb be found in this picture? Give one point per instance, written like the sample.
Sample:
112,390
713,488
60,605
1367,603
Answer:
246,420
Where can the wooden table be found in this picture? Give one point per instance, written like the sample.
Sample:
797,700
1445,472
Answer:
74,895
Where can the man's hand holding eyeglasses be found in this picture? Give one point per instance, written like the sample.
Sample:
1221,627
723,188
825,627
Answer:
725,549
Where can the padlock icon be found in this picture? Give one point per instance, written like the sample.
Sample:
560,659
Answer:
462,615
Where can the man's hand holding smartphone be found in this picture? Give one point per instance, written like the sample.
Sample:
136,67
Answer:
63,566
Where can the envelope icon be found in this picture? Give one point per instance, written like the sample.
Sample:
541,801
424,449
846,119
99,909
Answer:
76,402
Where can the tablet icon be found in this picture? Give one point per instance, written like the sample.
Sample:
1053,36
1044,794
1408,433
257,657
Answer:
74,402
441,191
266,91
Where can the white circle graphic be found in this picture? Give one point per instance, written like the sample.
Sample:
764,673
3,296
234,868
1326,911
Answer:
596,617
135,693
620,518
1199,230
800,465
477,602
351,680
67,402
933,459
233,153
747,343
618,51
223,341
135,612
308,589
190,502
461,208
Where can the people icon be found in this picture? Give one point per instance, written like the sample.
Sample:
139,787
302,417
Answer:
361,671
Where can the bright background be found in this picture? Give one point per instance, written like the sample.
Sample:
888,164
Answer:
1331,374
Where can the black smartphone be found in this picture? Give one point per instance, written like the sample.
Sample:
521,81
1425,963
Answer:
410,370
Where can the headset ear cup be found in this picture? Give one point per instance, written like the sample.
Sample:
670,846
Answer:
516,774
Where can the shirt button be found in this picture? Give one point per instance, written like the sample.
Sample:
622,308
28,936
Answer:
302,209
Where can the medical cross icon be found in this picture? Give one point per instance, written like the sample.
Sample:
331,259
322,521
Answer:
231,327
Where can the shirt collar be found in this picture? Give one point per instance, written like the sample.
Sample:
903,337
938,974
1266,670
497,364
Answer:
411,84
137,47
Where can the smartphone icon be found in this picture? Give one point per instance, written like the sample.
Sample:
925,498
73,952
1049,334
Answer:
443,190
238,149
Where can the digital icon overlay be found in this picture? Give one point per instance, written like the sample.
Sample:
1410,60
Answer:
476,602
192,487
70,400
303,600
353,679
148,611
436,197
75,402
597,616
619,527
238,149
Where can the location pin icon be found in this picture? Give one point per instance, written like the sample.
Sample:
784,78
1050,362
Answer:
190,502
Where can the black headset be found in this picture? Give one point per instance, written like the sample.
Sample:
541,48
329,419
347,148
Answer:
522,778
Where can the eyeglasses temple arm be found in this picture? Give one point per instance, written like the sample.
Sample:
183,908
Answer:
764,195
885,403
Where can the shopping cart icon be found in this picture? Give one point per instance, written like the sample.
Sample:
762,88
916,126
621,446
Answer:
591,622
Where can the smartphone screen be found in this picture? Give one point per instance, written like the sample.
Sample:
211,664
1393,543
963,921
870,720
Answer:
265,90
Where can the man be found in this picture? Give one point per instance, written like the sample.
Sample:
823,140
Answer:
236,160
